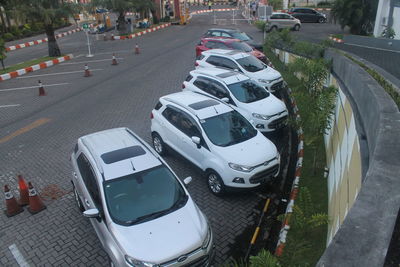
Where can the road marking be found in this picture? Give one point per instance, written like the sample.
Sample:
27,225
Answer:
25,129
18,256
30,87
116,52
84,62
57,73
9,106
381,49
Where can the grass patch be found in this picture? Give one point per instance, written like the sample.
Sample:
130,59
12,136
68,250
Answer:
338,35
382,81
25,64
312,178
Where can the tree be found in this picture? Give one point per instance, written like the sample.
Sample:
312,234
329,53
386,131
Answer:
358,15
48,12
2,52
121,7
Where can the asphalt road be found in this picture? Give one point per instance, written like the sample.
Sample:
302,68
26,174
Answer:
37,135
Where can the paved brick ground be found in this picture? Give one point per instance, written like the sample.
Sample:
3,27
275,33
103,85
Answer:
114,96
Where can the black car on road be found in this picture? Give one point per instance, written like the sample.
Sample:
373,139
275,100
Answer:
233,33
307,14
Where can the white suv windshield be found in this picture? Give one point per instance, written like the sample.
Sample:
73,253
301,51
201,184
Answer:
143,196
228,129
248,91
251,64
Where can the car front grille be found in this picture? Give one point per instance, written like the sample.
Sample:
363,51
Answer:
278,123
277,86
264,175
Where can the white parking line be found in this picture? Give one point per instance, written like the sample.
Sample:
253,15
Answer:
30,87
58,73
9,106
84,62
18,256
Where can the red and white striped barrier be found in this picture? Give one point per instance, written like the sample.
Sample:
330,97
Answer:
336,40
295,186
36,67
31,43
152,29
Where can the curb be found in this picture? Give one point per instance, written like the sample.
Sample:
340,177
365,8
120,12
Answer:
32,43
152,29
295,186
212,10
336,40
36,67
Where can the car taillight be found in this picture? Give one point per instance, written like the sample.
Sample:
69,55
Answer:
151,116
183,86
196,64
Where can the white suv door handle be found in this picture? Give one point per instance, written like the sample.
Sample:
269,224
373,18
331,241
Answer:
75,176
87,202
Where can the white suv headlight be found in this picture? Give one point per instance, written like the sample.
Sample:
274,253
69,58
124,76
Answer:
207,240
240,168
137,263
264,81
260,116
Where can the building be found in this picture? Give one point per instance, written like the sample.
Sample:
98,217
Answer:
388,16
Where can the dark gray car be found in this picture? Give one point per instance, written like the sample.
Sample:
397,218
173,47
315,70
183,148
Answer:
307,15
233,33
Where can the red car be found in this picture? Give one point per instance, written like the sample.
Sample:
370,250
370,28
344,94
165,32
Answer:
227,43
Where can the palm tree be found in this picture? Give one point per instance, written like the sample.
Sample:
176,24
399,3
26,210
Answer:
48,12
2,52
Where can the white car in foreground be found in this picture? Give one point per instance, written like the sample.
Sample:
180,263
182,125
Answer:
245,63
265,111
216,138
141,212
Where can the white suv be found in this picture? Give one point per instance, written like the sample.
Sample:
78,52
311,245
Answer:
245,63
216,138
142,214
265,111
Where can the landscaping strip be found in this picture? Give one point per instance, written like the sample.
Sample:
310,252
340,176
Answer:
36,42
133,35
41,65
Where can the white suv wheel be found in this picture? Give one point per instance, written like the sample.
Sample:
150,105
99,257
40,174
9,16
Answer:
158,144
215,183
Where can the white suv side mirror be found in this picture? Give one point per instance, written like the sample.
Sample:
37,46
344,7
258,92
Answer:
91,213
196,140
187,180
225,99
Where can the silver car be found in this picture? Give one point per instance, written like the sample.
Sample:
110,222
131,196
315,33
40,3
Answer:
141,212
282,21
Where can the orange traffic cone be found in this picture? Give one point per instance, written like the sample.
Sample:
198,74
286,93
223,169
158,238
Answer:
114,60
23,191
35,203
12,207
41,89
87,71
137,52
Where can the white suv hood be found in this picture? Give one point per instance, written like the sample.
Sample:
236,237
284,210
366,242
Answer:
249,153
267,106
171,236
267,74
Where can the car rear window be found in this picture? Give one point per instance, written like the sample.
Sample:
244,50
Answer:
188,78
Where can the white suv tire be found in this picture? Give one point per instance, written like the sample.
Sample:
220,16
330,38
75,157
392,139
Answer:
215,183
158,144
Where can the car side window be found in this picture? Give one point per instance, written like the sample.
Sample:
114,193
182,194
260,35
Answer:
221,45
201,83
286,16
227,63
187,125
89,179
213,60
210,44
224,34
274,17
217,89
172,116
213,33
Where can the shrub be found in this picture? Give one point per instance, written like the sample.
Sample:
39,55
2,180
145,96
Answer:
26,32
26,27
165,19
260,25
324,4
8,36
155,20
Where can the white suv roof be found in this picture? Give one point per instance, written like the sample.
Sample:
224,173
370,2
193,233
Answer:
221,74
235,54
119,152
197,104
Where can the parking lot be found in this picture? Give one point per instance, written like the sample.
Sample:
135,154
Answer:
37,135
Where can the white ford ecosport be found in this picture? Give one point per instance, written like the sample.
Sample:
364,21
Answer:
142,214
245,63
265,111
216,138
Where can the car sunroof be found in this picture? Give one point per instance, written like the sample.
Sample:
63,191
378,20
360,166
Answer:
122,154
203,104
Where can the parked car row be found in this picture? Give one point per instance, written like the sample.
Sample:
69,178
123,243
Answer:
140,210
